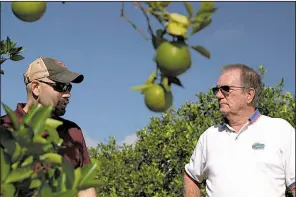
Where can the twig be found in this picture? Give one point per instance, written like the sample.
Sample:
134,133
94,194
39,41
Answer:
122,15
137,4
2,60
122,10
147,19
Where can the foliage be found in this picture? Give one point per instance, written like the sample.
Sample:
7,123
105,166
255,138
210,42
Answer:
9,49
154,165
30,161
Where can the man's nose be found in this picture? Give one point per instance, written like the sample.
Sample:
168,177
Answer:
219,94
66,94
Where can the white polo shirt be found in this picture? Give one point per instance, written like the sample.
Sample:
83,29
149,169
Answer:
257,161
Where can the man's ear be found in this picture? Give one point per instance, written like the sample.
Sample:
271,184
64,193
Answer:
250,95
35,88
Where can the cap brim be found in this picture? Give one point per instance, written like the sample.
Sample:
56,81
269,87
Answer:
67,77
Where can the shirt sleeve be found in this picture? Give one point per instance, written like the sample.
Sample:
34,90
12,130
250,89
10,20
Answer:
85,153
289,158
195,167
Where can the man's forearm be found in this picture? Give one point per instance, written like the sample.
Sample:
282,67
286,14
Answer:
91,192
191,188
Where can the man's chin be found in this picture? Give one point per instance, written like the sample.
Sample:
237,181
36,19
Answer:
224,112
58,112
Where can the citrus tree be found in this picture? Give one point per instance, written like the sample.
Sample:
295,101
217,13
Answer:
154,165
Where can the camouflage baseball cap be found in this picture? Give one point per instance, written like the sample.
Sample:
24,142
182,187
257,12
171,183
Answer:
50,68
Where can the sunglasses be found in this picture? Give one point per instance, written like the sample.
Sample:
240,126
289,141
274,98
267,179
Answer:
59,87
224,89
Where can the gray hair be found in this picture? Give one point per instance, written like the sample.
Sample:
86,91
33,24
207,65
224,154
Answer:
249,79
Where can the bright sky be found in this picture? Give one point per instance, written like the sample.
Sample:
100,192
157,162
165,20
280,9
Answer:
90,38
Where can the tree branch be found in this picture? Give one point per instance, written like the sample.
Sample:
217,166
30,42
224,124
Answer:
122,15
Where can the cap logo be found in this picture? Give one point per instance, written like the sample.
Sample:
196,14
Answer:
61,64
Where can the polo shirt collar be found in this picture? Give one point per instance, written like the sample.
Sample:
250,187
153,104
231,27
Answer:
252,119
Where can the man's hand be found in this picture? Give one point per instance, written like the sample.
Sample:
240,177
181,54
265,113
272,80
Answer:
191,187
91,192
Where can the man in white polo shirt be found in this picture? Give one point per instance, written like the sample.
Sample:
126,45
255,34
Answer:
249,155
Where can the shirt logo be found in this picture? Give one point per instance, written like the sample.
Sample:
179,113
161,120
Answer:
258,146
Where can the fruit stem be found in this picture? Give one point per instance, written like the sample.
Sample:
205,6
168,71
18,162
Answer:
147,19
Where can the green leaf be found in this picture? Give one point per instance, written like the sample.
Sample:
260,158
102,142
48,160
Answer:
90,184
61,183
17,58
51,126
45,190
53,135
69,171
201,17
5,165
8,190
196,27
28,116
12,44
69,193
35,183
52,158
39,119
28,161
48,148
8,44
203,51
206,6
141,87
50,122
40,140
175,80
16,153
3,47
11,116
87,173
77,174
16,50
164,4
19,174
1,72
24,136
189,9
12,148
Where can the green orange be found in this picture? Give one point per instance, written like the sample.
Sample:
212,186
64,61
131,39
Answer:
28,11
157,99
173,58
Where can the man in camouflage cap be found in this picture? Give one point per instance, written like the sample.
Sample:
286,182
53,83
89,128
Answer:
48,82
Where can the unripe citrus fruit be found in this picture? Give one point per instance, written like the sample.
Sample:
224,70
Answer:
157,99
28,11
173,58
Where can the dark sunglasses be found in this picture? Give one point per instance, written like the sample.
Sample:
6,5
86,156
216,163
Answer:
224,89
59,87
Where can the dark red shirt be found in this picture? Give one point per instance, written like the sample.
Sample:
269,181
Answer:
74,150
